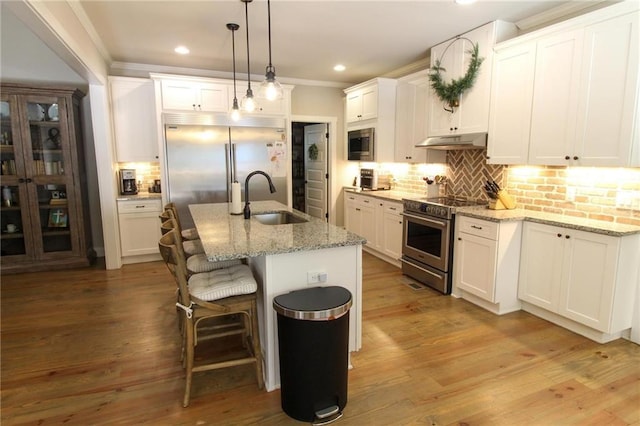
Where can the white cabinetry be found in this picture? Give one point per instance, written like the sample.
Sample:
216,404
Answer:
360,217
486,259
579,279
472,116
373,104
139,229
568,94
134,119
191,95
412,119
362,103
379,221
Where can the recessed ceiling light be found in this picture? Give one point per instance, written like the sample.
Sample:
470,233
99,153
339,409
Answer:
465,1
339,68
182,50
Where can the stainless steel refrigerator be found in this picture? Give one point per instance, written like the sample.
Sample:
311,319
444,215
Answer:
205,154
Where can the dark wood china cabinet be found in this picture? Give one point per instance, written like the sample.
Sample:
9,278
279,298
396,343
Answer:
43,216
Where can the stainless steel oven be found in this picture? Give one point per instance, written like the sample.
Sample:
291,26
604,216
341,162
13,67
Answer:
361,145
427,240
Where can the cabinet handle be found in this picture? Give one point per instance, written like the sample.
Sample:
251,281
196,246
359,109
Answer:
21,180
567,237
357,209
194,106
139,207
559,235
566,157
575,157
476,227
459,239
392,208
29,180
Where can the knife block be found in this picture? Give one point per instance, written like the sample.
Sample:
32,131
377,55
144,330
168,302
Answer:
504,201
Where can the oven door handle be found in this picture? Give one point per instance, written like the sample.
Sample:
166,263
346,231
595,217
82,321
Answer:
424,219
422,269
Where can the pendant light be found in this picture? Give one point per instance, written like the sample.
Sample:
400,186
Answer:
248,103
270,88
235,110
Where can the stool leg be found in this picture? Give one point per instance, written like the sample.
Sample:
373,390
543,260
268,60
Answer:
255,340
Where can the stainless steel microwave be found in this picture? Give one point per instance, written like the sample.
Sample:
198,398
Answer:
361,145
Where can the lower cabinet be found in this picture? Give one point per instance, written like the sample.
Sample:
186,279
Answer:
379,221
139,229
486,258
580,279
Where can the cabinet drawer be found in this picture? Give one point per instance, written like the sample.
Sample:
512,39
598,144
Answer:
140,206
478,227
393,207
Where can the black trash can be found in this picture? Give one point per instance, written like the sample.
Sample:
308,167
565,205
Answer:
313,341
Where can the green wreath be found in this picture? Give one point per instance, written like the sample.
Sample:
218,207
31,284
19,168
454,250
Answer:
313,152
450,93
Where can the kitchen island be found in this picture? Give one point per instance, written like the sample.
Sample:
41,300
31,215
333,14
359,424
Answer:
284,258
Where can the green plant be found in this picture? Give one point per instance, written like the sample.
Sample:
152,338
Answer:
451,92
313,152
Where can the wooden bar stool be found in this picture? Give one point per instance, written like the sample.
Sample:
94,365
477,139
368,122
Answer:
227,292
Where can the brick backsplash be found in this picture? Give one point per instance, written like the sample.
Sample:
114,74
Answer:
609,194
145,172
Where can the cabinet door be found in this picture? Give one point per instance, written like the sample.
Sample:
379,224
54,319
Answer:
213,97
474,104
588,278
369,97
555,99
609,92
541,261
510,108
392,226
180,95
475,265
441,121
139,233
134,119
368,221
352,215
354,107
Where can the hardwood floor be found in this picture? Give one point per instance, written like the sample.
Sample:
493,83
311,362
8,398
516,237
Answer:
91,346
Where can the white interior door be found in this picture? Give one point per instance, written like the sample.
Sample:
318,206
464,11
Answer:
316,170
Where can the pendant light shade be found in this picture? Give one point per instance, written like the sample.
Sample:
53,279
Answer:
270,87
248,103
235,110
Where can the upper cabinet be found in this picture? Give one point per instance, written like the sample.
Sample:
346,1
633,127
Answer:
187,95
134,119
472,115
362,103
568,94
412,120
373,104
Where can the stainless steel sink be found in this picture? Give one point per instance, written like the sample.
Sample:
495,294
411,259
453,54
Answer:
278,218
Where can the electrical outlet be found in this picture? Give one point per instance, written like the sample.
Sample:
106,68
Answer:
315,277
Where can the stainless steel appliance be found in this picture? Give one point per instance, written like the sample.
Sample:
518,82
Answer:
361,145
427,239
370,179
127,182
205,155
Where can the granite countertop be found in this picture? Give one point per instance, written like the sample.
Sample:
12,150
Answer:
140,196
225,236
391,195
571,222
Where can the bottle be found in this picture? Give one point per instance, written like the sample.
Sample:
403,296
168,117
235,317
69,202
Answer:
6,196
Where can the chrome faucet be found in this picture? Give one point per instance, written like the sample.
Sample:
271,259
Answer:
247,210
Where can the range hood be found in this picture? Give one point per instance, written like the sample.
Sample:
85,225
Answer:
467,141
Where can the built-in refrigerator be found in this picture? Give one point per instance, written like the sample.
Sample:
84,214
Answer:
205,154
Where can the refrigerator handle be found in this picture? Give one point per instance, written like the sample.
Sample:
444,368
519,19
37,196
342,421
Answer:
234,165
230,172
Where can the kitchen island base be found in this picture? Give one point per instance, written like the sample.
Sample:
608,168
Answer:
281,273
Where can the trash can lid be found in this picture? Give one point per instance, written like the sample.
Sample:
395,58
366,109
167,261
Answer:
315,304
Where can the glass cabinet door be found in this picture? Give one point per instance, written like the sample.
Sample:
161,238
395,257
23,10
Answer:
14,216
48,165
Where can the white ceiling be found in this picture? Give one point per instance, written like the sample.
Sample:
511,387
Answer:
371,38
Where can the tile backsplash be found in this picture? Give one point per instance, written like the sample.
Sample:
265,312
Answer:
609,194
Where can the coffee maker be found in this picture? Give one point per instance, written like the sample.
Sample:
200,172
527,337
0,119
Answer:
128,182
